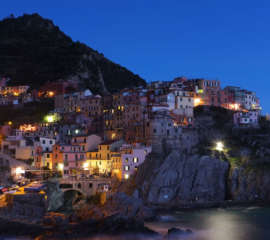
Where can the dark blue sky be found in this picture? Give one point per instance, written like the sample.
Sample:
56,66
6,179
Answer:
159,40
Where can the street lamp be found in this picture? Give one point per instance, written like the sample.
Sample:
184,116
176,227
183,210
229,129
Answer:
219,146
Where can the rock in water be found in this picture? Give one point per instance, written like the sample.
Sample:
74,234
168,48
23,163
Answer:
177,233
55,196
129,206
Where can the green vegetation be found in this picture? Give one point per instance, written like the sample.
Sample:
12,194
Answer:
34,51
234,161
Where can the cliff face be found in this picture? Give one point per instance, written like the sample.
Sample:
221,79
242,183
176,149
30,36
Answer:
33,51
184,179
193,172
249,185
188,178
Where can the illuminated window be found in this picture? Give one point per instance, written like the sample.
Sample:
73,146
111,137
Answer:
126,168
135,160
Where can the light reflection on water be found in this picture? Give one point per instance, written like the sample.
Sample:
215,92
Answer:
219,224
211,224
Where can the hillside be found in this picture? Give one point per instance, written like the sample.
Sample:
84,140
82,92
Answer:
33,51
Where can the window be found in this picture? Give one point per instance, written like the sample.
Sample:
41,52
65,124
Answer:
90,185
48,155
126,168
43,142
135,159
154,130
51,142
79,185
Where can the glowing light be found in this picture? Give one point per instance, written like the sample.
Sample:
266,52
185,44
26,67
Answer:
51,93
113,135
16,94
126,176
50,118
86,166
234,106
19,170
197,102
9,123
219,146
77,131
200,91
28,128
60,166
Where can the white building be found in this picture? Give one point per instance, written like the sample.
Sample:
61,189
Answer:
246,119
132,157
46,143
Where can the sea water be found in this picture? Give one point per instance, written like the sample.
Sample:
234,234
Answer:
238,223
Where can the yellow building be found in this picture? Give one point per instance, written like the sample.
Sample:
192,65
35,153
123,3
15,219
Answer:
101,161
117,165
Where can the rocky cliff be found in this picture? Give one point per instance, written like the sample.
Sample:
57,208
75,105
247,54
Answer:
203,175
33,51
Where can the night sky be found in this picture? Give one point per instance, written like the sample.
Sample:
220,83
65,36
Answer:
159,40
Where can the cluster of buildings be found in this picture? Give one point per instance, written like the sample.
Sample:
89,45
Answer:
111,135
21,94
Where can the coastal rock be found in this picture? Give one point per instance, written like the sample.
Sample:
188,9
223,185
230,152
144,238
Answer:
177,233
129,206
249,185
55,196
187,179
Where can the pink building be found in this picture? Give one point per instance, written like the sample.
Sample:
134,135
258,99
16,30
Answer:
68,158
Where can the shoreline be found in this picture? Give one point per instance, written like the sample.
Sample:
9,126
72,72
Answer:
201,206
15,228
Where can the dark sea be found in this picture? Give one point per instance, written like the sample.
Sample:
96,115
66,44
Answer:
238,223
